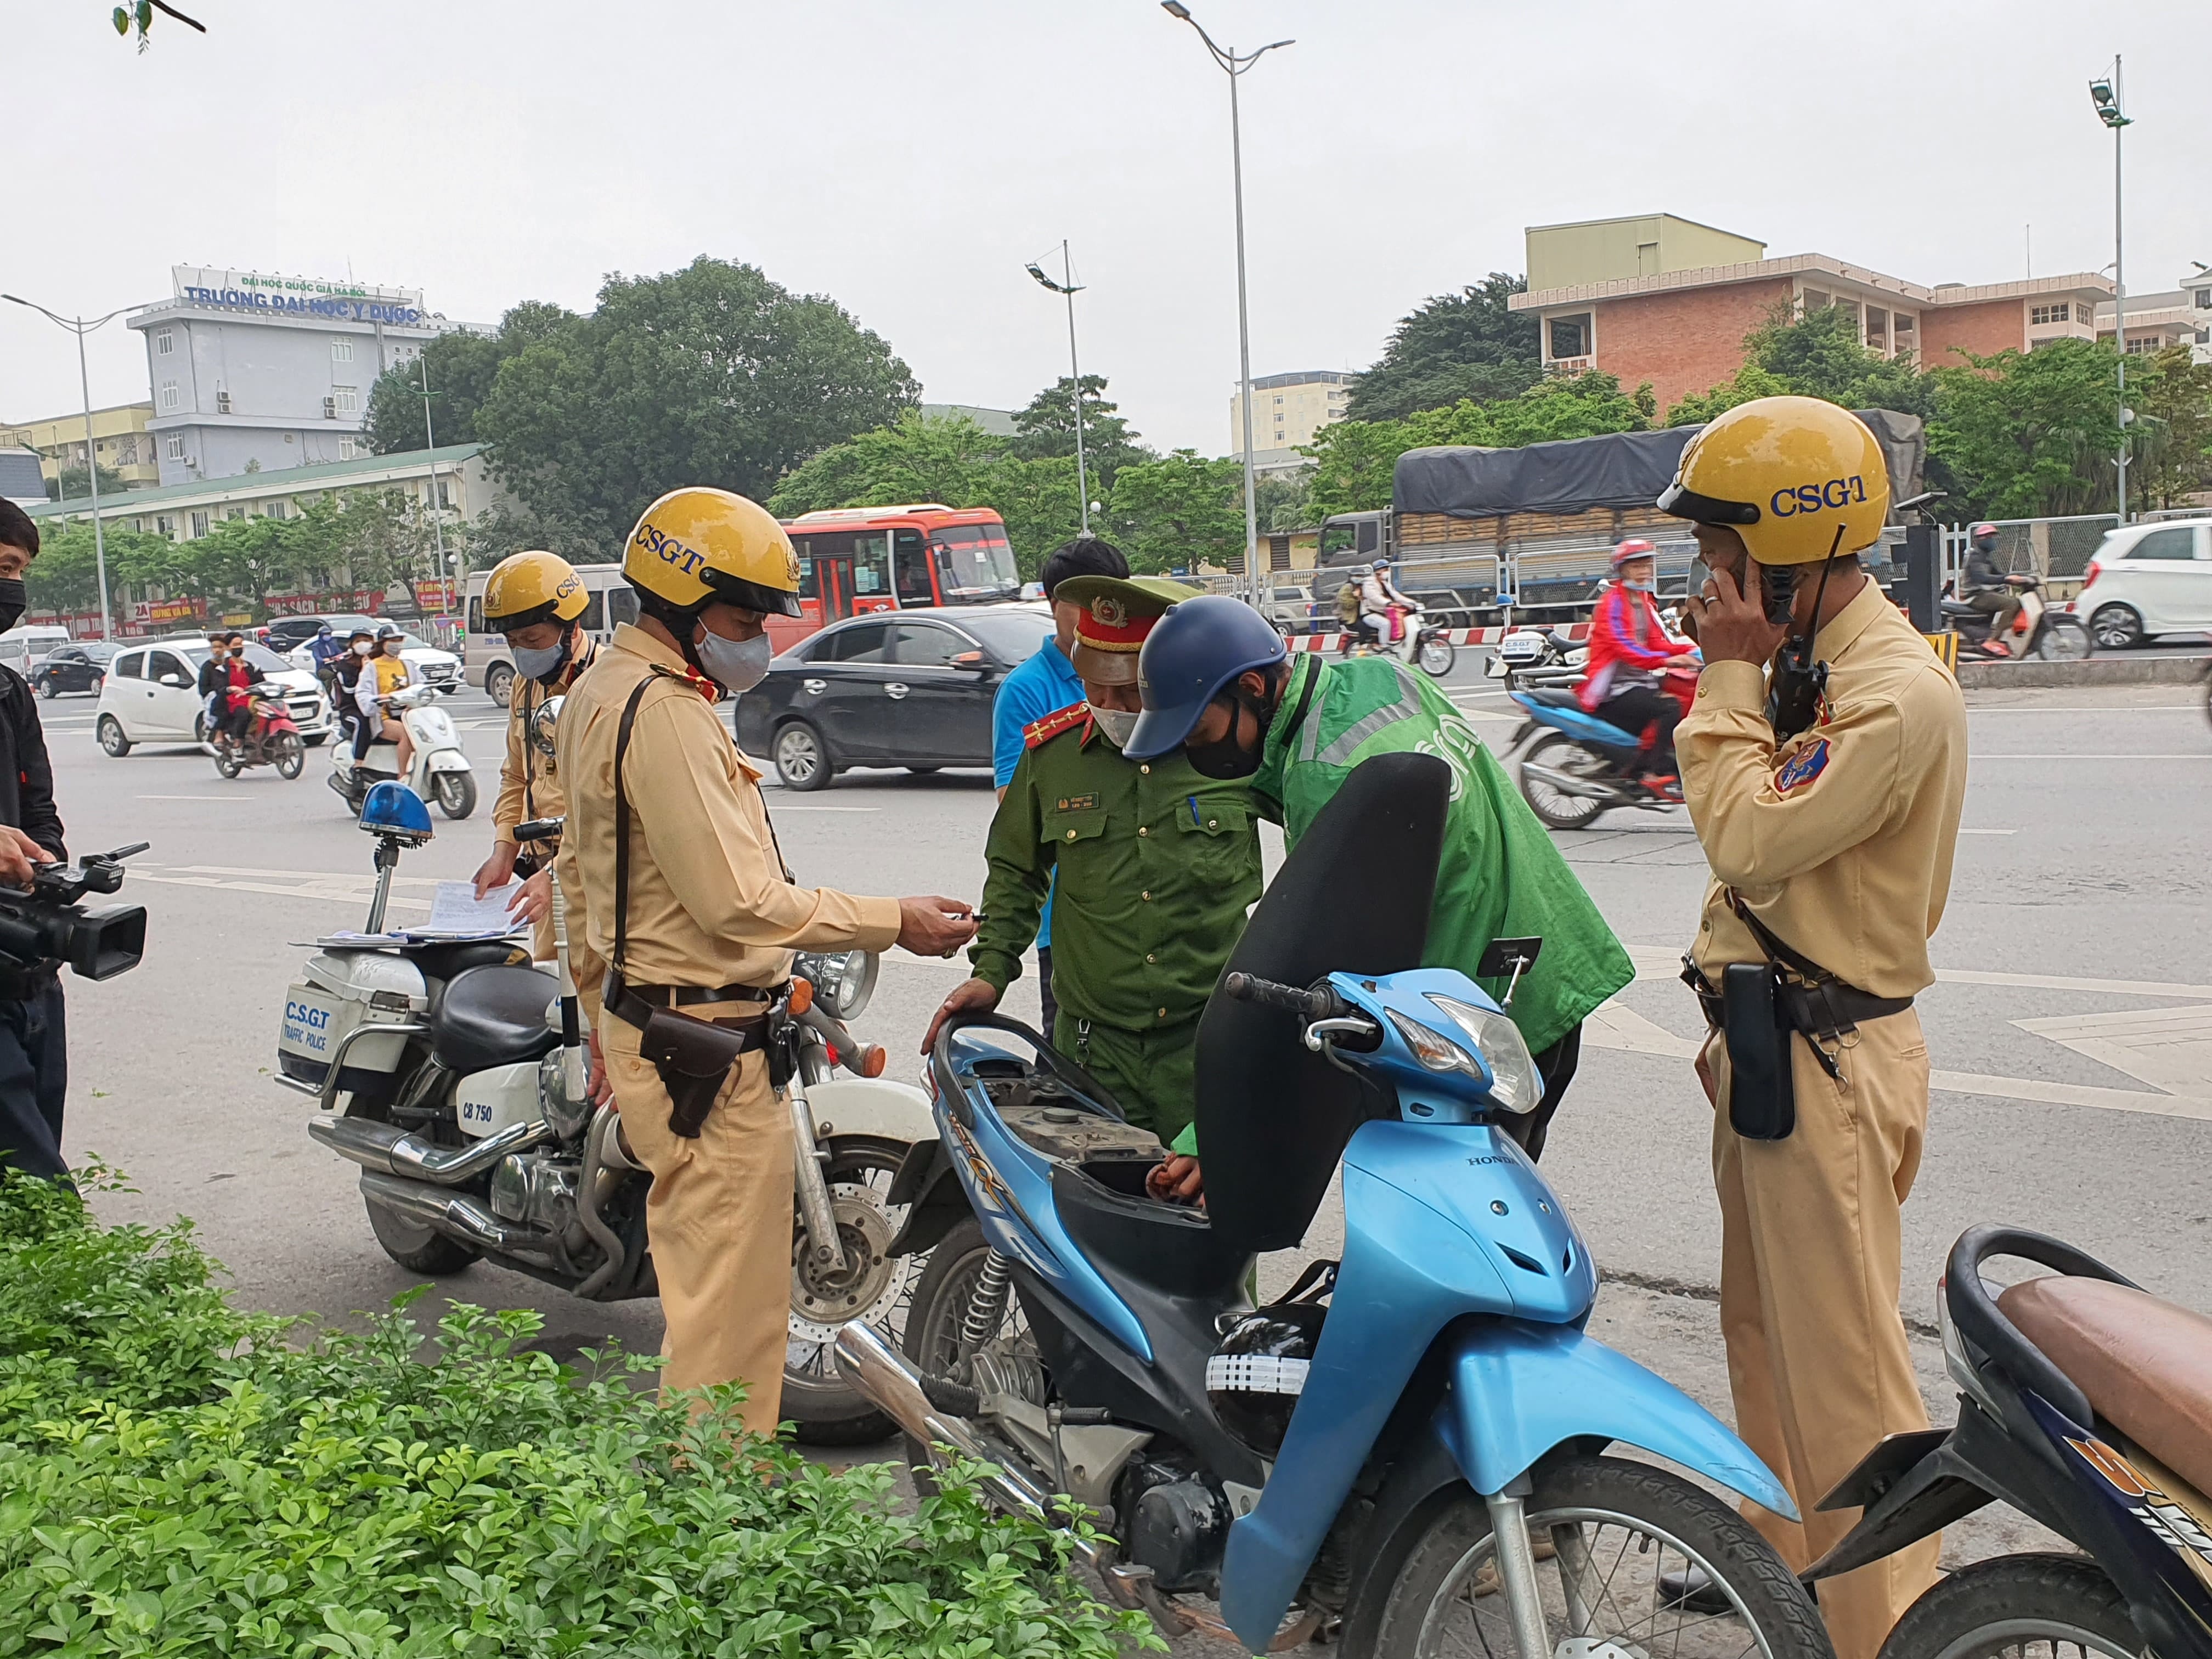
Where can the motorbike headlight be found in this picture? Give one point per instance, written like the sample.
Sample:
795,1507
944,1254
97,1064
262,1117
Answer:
1433,1050
843,983
1515,1083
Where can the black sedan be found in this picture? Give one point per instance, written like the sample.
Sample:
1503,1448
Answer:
888,688
74,668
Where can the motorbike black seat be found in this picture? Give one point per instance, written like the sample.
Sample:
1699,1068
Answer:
1559,638
1553,697
449,960
1958,608
1169,1247
493,1016
2145,1365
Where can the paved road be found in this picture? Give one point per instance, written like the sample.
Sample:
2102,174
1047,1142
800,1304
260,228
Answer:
2071,1028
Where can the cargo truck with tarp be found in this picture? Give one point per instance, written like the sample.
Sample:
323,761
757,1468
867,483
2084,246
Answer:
1473,531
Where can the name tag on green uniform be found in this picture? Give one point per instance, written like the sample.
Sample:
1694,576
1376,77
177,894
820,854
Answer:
1076,804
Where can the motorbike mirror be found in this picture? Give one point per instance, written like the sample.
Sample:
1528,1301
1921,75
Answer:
543,724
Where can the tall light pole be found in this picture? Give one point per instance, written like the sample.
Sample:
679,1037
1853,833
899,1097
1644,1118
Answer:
80,327
430,440
1235,64
1068,286
2105,95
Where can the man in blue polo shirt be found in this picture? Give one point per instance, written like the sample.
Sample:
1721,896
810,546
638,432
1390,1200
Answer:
1043,686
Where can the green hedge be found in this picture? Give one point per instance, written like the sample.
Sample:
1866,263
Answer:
177,1478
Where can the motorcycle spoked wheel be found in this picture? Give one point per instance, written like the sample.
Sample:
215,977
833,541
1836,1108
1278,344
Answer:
932,1335
1616,1528
875,1288
1553,807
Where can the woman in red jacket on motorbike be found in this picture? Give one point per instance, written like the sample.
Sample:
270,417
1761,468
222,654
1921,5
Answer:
1630,652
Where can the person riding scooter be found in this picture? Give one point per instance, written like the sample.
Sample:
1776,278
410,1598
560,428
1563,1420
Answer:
1990,590
239,677
1382,607
1629,649
384,673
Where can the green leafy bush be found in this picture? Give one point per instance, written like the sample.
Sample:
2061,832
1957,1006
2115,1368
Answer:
176,1479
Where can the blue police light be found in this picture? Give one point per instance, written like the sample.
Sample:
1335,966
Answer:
394,810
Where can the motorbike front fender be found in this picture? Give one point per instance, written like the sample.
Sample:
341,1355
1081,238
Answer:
448,760
1515,1390
870,1106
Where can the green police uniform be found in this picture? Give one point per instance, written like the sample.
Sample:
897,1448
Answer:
1157,868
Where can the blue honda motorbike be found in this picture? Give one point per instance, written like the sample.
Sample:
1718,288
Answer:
1405,1451
1574,767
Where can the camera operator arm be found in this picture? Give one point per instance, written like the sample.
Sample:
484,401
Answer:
35,813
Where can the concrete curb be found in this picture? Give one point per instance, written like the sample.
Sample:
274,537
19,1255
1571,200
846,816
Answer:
2090,670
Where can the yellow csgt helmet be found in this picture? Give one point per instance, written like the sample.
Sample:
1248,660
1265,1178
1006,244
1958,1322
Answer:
532,587
698,545
1799,479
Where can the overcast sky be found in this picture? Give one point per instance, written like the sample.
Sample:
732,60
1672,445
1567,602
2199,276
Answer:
907,158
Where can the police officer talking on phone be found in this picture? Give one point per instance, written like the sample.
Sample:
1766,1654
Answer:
33,1046
1824,763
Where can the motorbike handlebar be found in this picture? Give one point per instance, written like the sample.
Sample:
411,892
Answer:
1320,1002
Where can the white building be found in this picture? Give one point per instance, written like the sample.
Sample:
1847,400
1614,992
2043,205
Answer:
1287,410
251,371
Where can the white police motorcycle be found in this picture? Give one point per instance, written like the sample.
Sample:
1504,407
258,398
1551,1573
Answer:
452,1071
439,770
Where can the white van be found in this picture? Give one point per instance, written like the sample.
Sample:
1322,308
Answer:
24,648
485,659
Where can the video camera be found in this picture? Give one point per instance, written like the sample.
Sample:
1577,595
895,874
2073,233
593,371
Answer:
46,923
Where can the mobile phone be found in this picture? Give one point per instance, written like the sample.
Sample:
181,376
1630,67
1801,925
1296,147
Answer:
1779,584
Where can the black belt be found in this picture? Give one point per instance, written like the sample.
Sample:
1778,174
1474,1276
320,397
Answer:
635,1004
1823,1008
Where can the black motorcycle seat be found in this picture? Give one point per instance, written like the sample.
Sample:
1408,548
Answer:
1172,1248
1559,640
1958,608
1552,697
450,960
493,1016
2145,1365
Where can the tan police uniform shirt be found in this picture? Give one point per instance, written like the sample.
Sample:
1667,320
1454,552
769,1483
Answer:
709,903
529,782
1840,839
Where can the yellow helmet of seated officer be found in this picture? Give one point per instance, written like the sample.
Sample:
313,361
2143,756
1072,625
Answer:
1799,479
695,545
532,587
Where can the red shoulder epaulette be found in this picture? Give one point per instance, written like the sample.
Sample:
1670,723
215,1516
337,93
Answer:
1052,725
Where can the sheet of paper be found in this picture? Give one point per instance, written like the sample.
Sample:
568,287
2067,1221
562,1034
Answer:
456,911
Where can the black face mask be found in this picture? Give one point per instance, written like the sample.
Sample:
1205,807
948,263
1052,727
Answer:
1227,759
13,600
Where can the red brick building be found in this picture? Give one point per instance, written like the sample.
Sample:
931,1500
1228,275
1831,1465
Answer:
1683,331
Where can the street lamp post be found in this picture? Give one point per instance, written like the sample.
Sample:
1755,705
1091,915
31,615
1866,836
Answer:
2105,95
80,327
1068,287
1235,64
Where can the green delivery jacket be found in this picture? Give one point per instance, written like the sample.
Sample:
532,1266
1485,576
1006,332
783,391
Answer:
1499,876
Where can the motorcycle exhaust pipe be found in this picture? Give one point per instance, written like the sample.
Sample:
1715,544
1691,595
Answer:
890,1381
389,1149
452,1215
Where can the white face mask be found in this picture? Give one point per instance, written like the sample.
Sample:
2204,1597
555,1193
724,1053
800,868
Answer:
1640,587
736,666
1118,724
362,647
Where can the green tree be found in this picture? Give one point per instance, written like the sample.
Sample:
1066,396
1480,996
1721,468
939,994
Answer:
711,374
65,575
1178,512
1285,499
948,459
462,368
73,485
2172,395
1453,346
2027,433
1817,354
1046,429
1751,382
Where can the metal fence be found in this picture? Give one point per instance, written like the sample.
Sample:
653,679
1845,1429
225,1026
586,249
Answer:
2056,550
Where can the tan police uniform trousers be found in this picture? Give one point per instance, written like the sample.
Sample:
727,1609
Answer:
1818,1363
719,1219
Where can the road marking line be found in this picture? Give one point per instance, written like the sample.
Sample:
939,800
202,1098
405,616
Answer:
1612,1026
1978,757
271,888
1651,964
223,797
1989,832
2112,709
2169,1048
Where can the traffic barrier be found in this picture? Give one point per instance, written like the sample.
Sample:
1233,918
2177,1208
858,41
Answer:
1316,643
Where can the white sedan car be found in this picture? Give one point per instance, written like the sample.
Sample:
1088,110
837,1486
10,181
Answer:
2147,580
151,694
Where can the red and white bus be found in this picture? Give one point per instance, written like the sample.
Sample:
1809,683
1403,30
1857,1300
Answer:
880,558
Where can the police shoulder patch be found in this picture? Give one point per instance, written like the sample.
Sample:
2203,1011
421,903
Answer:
1052,725
1801,767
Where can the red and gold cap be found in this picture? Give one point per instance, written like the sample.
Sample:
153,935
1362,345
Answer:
1117,612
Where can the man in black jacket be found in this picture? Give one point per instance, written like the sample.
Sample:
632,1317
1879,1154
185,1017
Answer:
1989,589
34,1047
